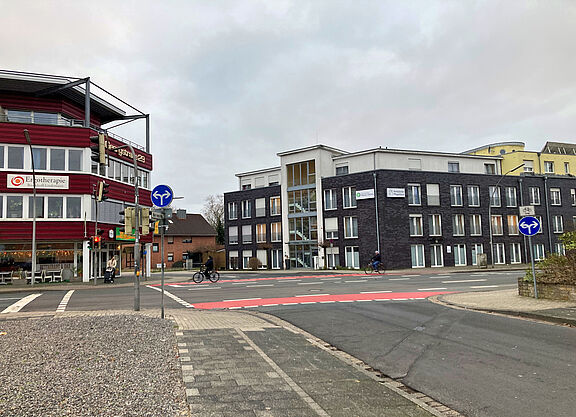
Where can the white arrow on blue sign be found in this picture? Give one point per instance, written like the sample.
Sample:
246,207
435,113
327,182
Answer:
529,225
161,195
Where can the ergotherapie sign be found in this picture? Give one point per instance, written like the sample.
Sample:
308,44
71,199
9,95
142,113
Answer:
51,182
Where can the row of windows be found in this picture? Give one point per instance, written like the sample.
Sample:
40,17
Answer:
417,254
62,159
40,117
415,164
261,255
261,233
45,159
473,194
260,204
475,223
47,207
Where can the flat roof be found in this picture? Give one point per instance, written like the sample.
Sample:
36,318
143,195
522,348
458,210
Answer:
311,148
32,84
409,152
259,171
490,145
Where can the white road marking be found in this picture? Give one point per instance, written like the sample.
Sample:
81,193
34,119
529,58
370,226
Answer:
204,288
357,280
398,279
11,298
244,299
431,289
172,296
289,304
309,283
174,285
309,295
19,305
329,279
259,285
308,302
269,305
62,306
464,280
326,302
409,276
289,280
346,301
485,286
373,292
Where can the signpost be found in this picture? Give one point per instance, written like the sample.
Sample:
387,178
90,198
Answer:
529,226
162,196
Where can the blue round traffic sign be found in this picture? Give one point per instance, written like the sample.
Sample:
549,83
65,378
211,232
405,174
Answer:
161,195
529,225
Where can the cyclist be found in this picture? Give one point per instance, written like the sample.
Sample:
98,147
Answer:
376,260
208,266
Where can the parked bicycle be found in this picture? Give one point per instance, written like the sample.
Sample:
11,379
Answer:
372,269
199,276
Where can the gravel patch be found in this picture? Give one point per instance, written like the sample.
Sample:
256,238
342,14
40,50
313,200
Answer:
90,366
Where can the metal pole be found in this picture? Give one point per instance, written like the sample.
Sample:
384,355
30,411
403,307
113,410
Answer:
33,275
148,133
87,105
162,263
533,270
96,250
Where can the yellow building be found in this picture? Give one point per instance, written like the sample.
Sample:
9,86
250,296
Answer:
555,158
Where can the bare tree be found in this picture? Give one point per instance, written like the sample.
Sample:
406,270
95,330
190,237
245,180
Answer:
213,212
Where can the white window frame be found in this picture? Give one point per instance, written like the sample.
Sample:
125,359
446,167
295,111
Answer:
247,238
549,167
511,197
261,237
330,200
349,192
473,196
515,253
331,228
414,192
352,256
475,225
458,227
557,224
534,196
275,206
494,195
435,227
435,250
233,211
260,207
276,235
497,225
555,197
512,226
456,199
459,251
417,256
247,209
539,251
499,254
474,252
433,195
416,225
350,227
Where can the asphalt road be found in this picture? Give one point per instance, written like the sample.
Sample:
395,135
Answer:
478,364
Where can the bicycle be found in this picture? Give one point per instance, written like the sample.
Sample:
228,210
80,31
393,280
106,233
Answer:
369,269
199,276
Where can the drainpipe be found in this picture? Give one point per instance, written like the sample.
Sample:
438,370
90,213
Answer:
546,199
376,209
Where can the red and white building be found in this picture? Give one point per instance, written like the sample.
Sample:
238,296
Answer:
60,117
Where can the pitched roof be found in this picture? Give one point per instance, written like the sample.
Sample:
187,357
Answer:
193,225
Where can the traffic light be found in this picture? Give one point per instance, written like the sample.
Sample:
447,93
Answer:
145,220
102,190
97,239
129,220
98,148
91,243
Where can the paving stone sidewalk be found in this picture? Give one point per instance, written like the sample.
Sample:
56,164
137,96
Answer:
236,364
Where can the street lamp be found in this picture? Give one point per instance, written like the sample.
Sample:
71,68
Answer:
490,211
33,275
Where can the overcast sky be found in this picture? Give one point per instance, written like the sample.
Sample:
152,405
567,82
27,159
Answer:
229,84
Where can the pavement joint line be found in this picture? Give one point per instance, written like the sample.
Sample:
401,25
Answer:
62,306
418,398
20,304
297,389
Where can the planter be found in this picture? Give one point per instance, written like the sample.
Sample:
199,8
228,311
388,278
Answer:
559,292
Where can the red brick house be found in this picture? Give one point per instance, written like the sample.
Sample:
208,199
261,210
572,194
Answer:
189,238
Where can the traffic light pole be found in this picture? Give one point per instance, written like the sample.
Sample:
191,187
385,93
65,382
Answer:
136,230
162,227
96,251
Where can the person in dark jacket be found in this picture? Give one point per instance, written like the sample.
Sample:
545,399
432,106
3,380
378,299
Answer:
208,266
376,260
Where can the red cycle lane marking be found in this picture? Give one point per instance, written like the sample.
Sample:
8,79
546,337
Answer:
317,299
